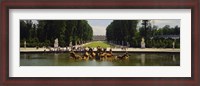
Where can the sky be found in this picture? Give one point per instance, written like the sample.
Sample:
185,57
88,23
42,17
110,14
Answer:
99,25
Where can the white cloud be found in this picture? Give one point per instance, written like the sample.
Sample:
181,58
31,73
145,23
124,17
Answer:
162,23
99,30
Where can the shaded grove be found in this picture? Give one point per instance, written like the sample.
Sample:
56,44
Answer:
127,33
46,31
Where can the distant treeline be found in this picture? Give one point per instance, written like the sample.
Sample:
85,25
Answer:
46,31
124,32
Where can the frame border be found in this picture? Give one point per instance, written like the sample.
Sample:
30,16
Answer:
118,4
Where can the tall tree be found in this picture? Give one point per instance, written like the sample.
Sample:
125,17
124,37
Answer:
145,29
46,31
121,31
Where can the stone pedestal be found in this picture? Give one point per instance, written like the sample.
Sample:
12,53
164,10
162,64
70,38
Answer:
70,44
25,44
56,43
173,44
143,43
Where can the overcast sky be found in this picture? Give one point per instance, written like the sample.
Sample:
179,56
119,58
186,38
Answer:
99,25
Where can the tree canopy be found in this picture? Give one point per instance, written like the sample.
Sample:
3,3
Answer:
123,32
46,31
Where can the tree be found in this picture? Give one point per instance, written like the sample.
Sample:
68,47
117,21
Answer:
46,31
145,30
121,31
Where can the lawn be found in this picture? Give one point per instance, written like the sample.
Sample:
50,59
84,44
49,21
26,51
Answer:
98,43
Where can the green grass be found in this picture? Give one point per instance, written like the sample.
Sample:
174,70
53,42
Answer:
98,43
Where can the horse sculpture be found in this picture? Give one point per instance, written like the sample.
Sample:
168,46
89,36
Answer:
124,56
86,55
92,54
74,55
100,54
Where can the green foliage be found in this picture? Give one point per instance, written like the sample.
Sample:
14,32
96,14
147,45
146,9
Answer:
125,31
145,30
121,31
46,31
162,43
